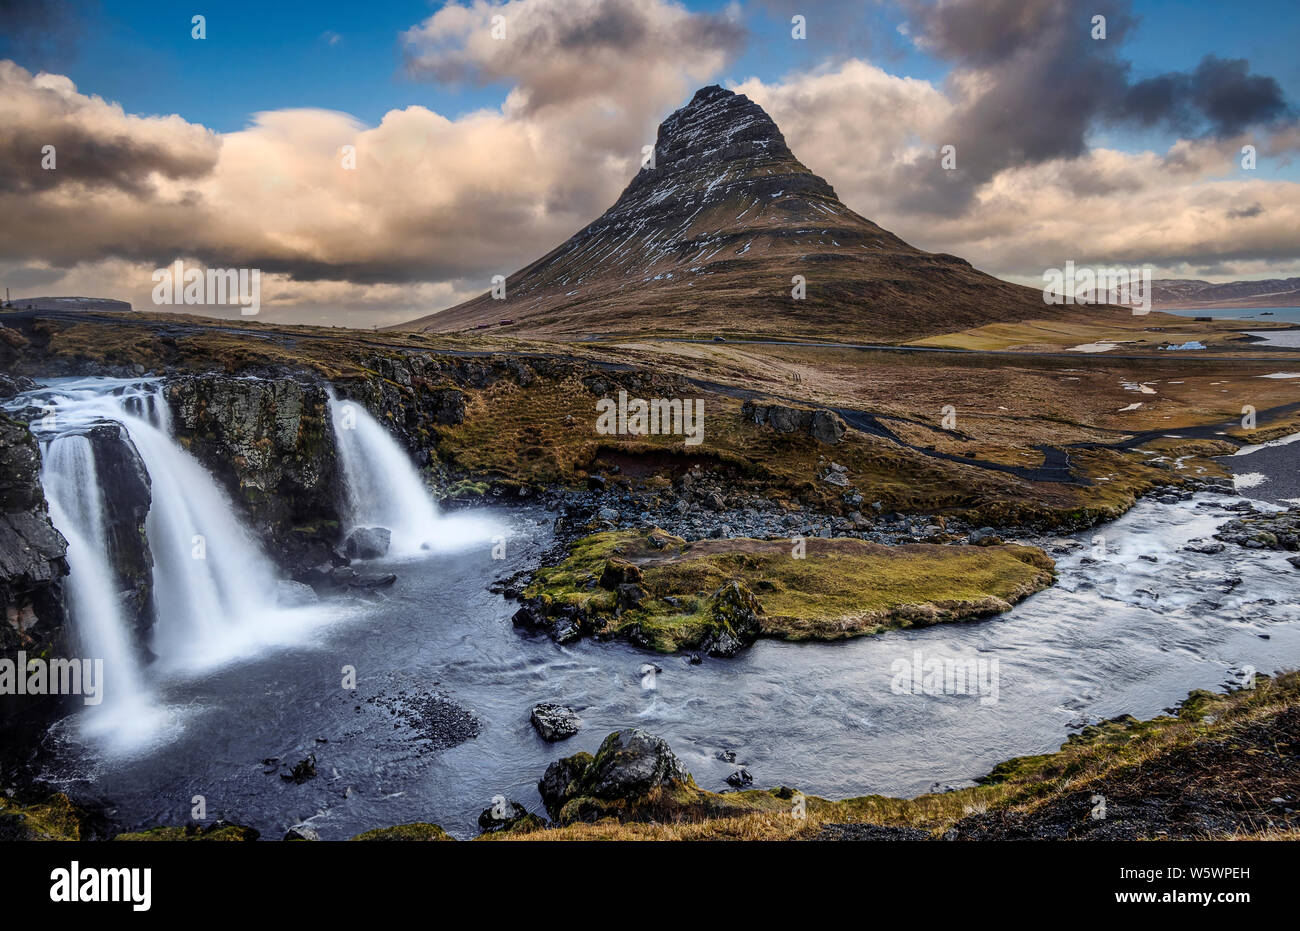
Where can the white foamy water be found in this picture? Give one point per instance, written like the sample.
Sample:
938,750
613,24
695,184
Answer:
72,489
213,585
385,490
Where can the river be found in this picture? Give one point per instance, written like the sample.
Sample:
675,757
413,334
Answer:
1118,633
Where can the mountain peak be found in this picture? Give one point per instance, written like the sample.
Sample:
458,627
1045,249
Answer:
713,233
721,148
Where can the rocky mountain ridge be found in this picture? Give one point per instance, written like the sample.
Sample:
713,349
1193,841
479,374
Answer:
1191,292
709,238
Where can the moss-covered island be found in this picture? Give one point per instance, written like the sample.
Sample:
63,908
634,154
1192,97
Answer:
664,593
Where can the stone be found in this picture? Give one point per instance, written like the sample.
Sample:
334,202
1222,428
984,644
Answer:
32,559
555,722
367,543
302,771
630,763
269,443
838,479
617,572
503,815
822,425
740,778
563,781
733,610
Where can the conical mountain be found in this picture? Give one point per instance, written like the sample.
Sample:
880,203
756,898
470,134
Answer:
708,240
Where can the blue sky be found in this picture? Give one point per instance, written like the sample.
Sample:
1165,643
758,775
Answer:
273,55
454,186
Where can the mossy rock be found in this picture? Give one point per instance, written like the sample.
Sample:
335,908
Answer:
619,571
415,831
217,831
57,818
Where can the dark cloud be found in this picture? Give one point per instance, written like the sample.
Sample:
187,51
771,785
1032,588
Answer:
1245,213
83,158
95,144
1045,82
990,32
1220,96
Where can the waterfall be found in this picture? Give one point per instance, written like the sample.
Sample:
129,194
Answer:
214,589
76,509
383,489
212,583
382,486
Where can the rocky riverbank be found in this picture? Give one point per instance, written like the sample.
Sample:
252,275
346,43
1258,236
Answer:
1219,766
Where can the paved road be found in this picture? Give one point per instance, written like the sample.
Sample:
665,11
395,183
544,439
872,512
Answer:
1180,356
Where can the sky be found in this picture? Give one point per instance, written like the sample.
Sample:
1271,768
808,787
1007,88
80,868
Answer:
474,152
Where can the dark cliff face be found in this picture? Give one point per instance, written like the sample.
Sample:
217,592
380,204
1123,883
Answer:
710,239
415,395
126,496
32,566
32,552
270,443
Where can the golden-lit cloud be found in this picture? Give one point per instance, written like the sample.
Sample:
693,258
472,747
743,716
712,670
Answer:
354,223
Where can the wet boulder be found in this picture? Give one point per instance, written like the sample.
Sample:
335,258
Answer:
11,385
126,495
740,779
632,762
507,816
270,443
562,781
367,543
32,552
734,611
555,722
628,771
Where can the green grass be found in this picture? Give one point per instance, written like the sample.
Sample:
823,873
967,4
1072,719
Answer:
837,588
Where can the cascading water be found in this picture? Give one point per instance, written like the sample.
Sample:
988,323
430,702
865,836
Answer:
212,582
384,489
76,509
214,589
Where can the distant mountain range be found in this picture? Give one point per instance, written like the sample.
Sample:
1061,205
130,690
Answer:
1190,293
709,241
